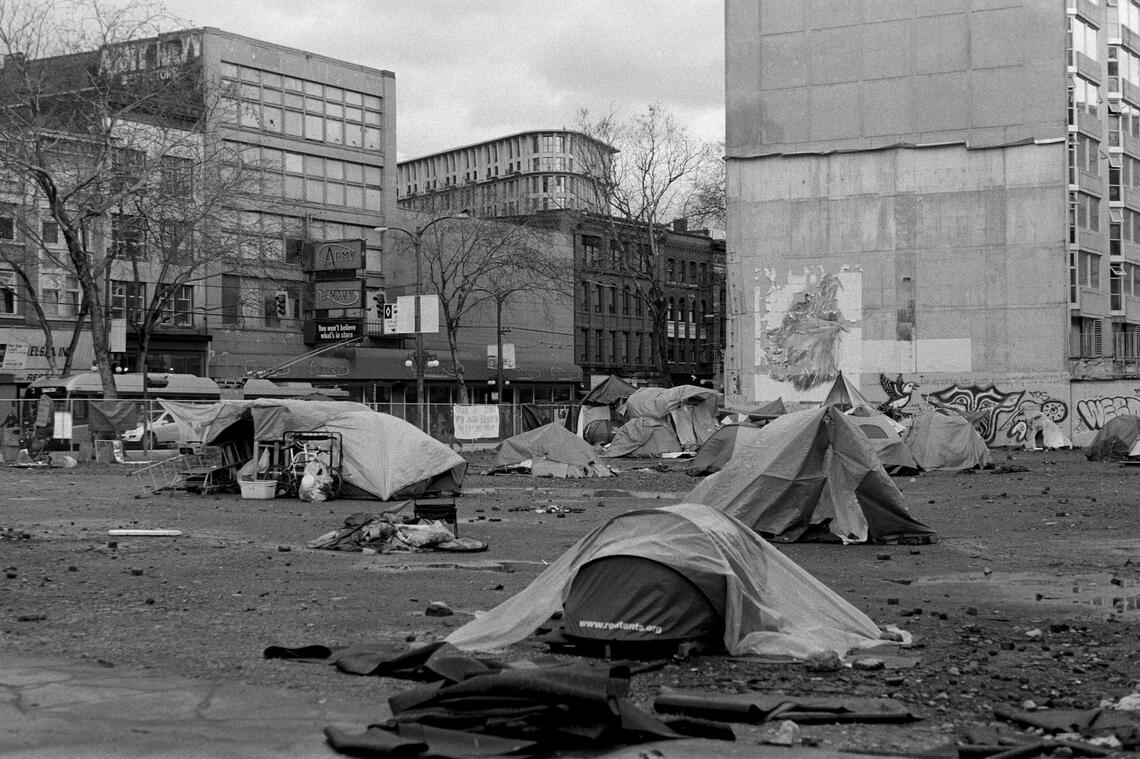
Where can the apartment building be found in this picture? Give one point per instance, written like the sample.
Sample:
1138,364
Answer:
939,199
321,132
508,176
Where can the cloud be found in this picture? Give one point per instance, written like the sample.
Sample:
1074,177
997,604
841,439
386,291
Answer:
468,71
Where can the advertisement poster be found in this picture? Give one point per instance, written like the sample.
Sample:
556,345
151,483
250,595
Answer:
474,422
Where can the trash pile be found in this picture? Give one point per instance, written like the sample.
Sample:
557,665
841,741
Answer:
387,533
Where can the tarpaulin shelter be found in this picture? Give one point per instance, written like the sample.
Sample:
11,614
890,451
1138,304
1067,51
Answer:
763,413
715,453
884,436
665,420
1115,440
811,475
602,402
381,456
1043,432
944,440
845,396
551,450
673,572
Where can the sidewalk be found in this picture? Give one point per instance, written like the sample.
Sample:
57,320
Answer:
62,709
50,710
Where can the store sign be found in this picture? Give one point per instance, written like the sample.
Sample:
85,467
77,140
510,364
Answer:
337,330
339,294
24,355
334,255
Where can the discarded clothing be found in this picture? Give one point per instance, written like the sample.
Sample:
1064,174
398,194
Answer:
382,533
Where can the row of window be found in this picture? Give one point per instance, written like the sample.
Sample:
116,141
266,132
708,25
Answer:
300,108
619,347
466,161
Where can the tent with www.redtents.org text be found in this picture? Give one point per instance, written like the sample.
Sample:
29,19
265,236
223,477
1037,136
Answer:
381,456
811,475
670,574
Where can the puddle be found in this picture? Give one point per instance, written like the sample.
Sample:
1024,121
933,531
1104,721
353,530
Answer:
1103,593
436,566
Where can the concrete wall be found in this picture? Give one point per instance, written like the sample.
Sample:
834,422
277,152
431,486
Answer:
859,74
943,262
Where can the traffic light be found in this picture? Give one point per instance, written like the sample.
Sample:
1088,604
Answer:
282,302
378,304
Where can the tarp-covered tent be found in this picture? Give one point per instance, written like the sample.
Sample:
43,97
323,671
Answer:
551,450
764,603
1043,432
763,413
602,402
811,475
381,456
715,453
884,436
944,440
687,413
845,396
1115,440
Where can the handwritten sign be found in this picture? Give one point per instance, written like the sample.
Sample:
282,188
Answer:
474,422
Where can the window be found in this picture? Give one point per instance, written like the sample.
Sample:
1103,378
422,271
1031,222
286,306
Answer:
127,167
1130,15
1085,96
585,304
670,270
178,310
1086,211
625,299
231,299
8,299
59,294
598,347
49,233
1088,270
613,299
1087,158
7,223
128,299
599,296
177,176
128,236
1084,38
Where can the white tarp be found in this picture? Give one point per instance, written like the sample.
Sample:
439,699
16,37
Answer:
380,454
773,607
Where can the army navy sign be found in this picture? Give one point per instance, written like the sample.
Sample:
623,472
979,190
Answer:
334,255
338,294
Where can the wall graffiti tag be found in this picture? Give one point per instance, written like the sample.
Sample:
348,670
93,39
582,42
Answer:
1095,412
804,348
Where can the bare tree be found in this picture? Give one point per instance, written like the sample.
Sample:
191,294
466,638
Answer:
476,263
85,128
707,205
647,183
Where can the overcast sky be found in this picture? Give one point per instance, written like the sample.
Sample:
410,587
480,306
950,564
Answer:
470,70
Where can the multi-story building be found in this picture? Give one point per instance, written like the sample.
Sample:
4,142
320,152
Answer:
940,200
614,324
509,176
321,132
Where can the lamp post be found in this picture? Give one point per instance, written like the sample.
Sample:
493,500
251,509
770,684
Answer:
419,362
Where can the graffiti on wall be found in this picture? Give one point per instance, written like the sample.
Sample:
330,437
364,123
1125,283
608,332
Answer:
804,347
899,392
1000,417
1094,413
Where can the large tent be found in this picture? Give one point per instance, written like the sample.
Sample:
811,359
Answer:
1115,440
715,453
673,573
945,440
551,450
664,420
381,456
884,436
811,475
601,404
845,396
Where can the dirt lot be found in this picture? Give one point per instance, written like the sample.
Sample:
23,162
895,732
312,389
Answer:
1031,594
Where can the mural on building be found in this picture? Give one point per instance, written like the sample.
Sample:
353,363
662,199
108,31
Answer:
805,347
1000,417
899,392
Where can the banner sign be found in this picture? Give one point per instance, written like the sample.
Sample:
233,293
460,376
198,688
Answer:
474,422
338,294
337,330
406,314
333,255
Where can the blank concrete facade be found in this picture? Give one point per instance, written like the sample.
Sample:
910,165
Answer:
932,189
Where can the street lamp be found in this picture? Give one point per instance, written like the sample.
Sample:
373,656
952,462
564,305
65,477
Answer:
417,237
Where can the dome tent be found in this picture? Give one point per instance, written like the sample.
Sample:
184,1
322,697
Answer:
945,440
811,475
1115,440
883,434
601,404
715,453
550,450
664,420
766,604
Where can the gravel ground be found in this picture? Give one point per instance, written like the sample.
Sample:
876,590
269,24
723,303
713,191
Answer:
1030,595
